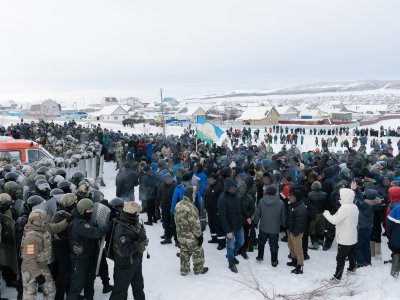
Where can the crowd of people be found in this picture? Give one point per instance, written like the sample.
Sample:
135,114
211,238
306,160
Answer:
248,194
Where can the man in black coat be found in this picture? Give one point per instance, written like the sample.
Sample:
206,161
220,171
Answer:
296,224
164,197
232,215
148,192
129,242
125,182
319,202
213,192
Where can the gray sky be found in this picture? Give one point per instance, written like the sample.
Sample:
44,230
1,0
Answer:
67,50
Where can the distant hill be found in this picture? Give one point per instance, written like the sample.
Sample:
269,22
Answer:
313,88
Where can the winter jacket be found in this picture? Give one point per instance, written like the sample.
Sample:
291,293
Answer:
318,201
393,224
129,242
84,236
231,212
148,186
125,183
345,219
178,196
271,213
297,217
36,247
248,202
165,193
187,221
213,192
203,182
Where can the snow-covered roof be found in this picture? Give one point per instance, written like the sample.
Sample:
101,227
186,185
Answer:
309,112
255,113
189,110
111,110
284,109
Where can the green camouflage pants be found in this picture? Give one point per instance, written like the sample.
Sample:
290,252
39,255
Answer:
31,287
188,250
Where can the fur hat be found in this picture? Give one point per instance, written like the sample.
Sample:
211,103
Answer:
132,207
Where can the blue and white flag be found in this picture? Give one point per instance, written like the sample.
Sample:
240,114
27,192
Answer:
207,131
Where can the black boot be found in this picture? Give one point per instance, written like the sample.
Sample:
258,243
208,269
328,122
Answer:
260,256
233,267
107,288
213,240
292,263
274,259
166,241
244,254
395,265
221,244
298,270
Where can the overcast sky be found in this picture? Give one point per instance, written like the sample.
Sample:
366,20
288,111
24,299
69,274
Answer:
75,49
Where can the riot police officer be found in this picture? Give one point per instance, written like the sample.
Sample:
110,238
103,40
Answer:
129,242
84,249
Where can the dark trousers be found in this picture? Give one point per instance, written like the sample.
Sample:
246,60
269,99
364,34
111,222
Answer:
103,270
125,275
306,235
247,239
330,232
363,250
167,220
83,275
345,252
151,210
272,239
215,226
379,221
62,256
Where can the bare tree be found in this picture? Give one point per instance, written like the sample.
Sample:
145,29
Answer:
327,290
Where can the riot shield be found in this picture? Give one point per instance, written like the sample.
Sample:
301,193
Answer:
19,207
25,193
8,245
49,206
100,216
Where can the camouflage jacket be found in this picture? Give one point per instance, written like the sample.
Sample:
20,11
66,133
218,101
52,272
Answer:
187,221
36,246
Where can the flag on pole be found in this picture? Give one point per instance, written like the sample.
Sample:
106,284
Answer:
207,131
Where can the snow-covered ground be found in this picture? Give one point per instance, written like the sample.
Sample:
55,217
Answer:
163,281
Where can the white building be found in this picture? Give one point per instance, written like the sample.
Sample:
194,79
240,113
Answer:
110,113
47,109
259,115
190,113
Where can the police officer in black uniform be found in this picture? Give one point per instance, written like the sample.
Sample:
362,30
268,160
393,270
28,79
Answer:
129,242
84,249
61,245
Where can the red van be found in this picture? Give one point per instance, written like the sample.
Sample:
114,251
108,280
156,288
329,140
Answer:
24,150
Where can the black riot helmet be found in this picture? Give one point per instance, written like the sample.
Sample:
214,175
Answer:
66,186
11,176
61,172
77,177
32,202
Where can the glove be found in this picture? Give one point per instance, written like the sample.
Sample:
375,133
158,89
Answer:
200,240
142,235
69,218
40,280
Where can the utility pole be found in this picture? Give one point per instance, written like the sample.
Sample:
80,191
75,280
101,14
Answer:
162,112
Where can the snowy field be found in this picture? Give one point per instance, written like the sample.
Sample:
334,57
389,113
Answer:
164,282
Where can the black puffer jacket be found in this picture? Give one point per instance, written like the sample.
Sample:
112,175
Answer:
318,201
231,212
213,192
297,218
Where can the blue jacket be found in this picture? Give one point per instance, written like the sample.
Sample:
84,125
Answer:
393,224
203,182
178,196
366,215
149,150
